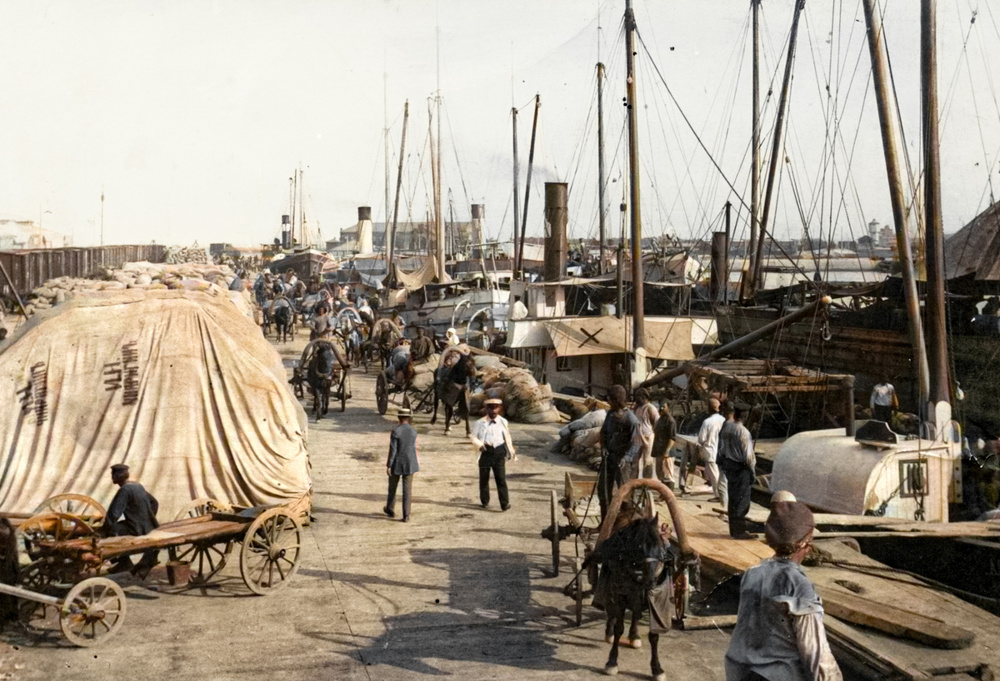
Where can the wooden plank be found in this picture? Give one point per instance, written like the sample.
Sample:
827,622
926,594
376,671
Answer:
846,641
892,620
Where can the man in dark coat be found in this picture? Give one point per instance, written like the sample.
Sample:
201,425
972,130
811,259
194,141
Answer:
621,445
736,460
403,462
132,513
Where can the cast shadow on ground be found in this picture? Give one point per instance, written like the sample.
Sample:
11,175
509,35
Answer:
488,618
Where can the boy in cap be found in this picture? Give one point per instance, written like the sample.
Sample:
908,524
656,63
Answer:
779,631
491,437
403,462
132,513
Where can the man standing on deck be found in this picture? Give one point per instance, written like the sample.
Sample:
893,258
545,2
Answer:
491,437
132,513
779,630
736,462
620,445
883,401
708,440
403,462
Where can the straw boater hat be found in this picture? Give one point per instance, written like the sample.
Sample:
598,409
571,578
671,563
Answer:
404,413
493,401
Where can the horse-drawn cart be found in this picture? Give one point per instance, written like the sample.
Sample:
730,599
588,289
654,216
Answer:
69,559
325,370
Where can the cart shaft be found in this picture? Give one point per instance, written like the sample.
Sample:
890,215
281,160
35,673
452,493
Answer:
28,595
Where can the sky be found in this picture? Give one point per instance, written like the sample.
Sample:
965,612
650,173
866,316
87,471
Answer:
191,116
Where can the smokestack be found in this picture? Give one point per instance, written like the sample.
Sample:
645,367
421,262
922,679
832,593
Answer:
286,231
556,218
478,213
364,238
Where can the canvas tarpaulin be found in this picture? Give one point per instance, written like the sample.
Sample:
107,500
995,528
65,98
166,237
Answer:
417,279
179,385
664,339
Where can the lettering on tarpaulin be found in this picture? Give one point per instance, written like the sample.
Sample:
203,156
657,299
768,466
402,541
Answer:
124,374
34,395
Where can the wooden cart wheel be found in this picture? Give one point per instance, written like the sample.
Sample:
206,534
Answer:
554,510
206,559
34,577
80,505
94,610
381,394
271,552
52,527
203,506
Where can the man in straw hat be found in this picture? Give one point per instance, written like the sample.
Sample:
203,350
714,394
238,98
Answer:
403,462
491,437
779,631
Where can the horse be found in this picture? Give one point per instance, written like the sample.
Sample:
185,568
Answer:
284,320
638,568
451,386
320,374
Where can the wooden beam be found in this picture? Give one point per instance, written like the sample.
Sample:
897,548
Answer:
892,620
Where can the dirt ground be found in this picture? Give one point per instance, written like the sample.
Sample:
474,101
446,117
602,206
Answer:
457,591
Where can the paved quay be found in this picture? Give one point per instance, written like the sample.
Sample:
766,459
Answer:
458,591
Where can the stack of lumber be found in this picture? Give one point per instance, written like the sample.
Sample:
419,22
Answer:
524,400
881,623
135,275
176,255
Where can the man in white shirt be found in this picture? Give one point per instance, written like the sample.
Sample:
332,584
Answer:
883,401
491,437
708,439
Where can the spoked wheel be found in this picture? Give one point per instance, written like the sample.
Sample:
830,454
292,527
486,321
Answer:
36,577
94,611
203,506
205,558
79,505
381,394
52,527
271,552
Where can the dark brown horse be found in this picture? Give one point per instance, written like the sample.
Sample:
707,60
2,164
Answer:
320,374
451,387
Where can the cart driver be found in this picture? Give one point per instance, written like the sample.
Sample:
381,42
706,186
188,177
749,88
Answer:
132,513
399,360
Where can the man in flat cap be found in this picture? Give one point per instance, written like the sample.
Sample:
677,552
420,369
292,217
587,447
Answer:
779,631
491,437
132,513
402,463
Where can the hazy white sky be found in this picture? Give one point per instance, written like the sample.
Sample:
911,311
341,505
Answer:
192,115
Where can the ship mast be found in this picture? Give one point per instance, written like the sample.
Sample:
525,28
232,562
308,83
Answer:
638,327
438,215
391,248
939,405
600,162
755,144
887,121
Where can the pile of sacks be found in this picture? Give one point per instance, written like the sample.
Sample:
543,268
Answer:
423,376
176,255
580,440
138,275
524,400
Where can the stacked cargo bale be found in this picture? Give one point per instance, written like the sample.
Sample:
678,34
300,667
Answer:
136,275
524,400
176,255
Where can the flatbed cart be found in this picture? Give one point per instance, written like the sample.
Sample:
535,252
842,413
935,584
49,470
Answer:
422,400
68,555
580,507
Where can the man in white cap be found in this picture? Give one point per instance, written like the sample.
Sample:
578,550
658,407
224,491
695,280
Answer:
491,437
403,462
779,630
451,337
